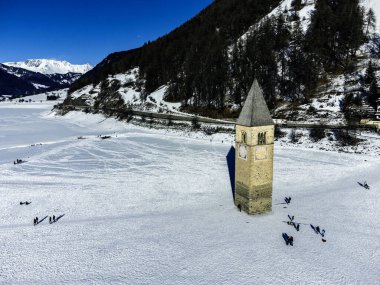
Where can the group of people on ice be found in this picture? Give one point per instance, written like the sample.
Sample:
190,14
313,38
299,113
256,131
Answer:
18,161
364,185
52,220
289,239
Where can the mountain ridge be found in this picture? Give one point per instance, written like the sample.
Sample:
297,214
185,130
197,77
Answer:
50,66
214,25
17,81
209,63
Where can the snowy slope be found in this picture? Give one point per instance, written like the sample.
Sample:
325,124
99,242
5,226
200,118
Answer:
285,5
50,66
150,207
131,92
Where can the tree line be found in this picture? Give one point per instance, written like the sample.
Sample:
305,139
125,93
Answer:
208,68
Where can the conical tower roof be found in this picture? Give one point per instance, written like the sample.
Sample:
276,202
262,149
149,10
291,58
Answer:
255,111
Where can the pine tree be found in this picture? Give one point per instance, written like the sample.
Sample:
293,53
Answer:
296,4
370,74
296,63
320,33
349,28
336,31
282,39
370,21
373,95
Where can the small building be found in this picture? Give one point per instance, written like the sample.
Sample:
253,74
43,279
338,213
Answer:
254,154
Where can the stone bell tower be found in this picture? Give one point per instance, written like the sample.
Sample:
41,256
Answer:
254,154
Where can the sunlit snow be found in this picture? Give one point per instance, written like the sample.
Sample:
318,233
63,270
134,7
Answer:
50,66
155,207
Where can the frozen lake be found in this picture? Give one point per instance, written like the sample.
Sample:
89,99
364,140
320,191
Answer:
155,207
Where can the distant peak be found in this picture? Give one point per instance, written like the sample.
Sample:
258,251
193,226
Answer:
50,66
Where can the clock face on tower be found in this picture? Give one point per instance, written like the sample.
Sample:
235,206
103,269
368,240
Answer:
261,152
242,151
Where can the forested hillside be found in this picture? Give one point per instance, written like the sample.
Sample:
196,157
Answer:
209,63
291,57
11,84
198,46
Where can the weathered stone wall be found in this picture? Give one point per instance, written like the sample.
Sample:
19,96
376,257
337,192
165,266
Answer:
254,175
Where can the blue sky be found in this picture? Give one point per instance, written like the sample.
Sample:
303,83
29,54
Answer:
86,31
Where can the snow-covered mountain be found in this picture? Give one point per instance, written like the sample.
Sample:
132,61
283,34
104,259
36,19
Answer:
38,75
50,66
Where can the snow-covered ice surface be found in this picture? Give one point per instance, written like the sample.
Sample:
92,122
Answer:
153,207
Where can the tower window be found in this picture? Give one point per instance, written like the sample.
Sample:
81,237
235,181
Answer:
262,138
243,137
